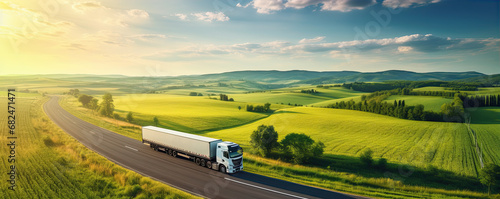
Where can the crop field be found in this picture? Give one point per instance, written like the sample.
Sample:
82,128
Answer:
486,123
481,91
431,103
346,132
51,164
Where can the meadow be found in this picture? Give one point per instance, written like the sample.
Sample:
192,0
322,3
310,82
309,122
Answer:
51,164
431,103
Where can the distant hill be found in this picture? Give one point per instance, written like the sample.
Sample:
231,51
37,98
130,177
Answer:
486,79
394,75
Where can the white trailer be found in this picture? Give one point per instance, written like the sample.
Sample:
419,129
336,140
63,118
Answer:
204,151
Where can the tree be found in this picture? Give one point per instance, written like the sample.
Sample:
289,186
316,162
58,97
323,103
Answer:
489,175
267,107
85,100
366,157
74,92
93,104
130,117
193,94
302,147
239,108
107,107
156,121
264,139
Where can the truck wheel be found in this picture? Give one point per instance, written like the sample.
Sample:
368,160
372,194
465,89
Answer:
156,148
170,152
197,161
202,163
222,169
174,154
209,164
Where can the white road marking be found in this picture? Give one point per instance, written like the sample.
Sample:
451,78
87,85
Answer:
131,148
279,192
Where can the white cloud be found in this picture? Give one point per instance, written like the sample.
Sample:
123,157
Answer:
404,44
211,16
407,3
313,40
181,16
405,49
138,13
147,37
87,5
241,6
267,6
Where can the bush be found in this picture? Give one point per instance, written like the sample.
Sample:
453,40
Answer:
130,117
302,147
382,163
116,116
366,157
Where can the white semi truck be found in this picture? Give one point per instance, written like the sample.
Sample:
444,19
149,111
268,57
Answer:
226,157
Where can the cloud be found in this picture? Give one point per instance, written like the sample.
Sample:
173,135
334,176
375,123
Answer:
266,7
87,5
314,40
416,43
181,16
407,3
211,16
241,6
147,37
138,13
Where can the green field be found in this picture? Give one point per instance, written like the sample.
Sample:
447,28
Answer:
481,91
486,123
51,164
431,103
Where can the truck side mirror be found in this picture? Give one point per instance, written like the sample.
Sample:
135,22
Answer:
226,154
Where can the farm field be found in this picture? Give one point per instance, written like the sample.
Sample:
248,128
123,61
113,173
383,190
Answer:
486,123
481,90
431,103
346,132
51,164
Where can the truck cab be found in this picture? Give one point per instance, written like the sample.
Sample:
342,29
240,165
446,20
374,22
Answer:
229,157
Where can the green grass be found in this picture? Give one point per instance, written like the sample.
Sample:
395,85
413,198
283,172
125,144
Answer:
486,123
51,164
346,132
431,103
481,91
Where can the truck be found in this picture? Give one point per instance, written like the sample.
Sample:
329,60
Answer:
226,157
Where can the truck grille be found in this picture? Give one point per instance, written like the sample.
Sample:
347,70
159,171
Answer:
237,162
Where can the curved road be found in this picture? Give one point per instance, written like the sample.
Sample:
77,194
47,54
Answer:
177,172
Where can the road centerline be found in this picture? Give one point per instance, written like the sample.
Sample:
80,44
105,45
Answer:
258,187
131,148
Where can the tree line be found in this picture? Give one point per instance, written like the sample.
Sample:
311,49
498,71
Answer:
390,85
259,108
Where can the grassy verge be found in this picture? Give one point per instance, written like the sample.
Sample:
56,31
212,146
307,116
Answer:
390,183
51,164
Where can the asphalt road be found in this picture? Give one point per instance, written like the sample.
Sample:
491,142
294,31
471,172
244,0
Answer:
177,172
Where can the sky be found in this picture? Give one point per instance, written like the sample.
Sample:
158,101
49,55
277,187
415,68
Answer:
186,37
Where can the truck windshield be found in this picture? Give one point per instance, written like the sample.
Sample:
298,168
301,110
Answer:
235,151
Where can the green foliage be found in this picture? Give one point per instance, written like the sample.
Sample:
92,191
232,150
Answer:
130,117
107,107
264,139
489,175
156,121
381,164
117,116
259,108
85,100
366,157
301,146
193,94
74,92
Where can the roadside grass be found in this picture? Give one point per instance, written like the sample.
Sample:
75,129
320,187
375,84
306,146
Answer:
438,153
51,164
431,103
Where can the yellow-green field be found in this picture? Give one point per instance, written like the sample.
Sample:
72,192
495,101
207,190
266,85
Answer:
51,164
431,103
486,123
346,132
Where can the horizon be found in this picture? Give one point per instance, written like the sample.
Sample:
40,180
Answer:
82,74
149,38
